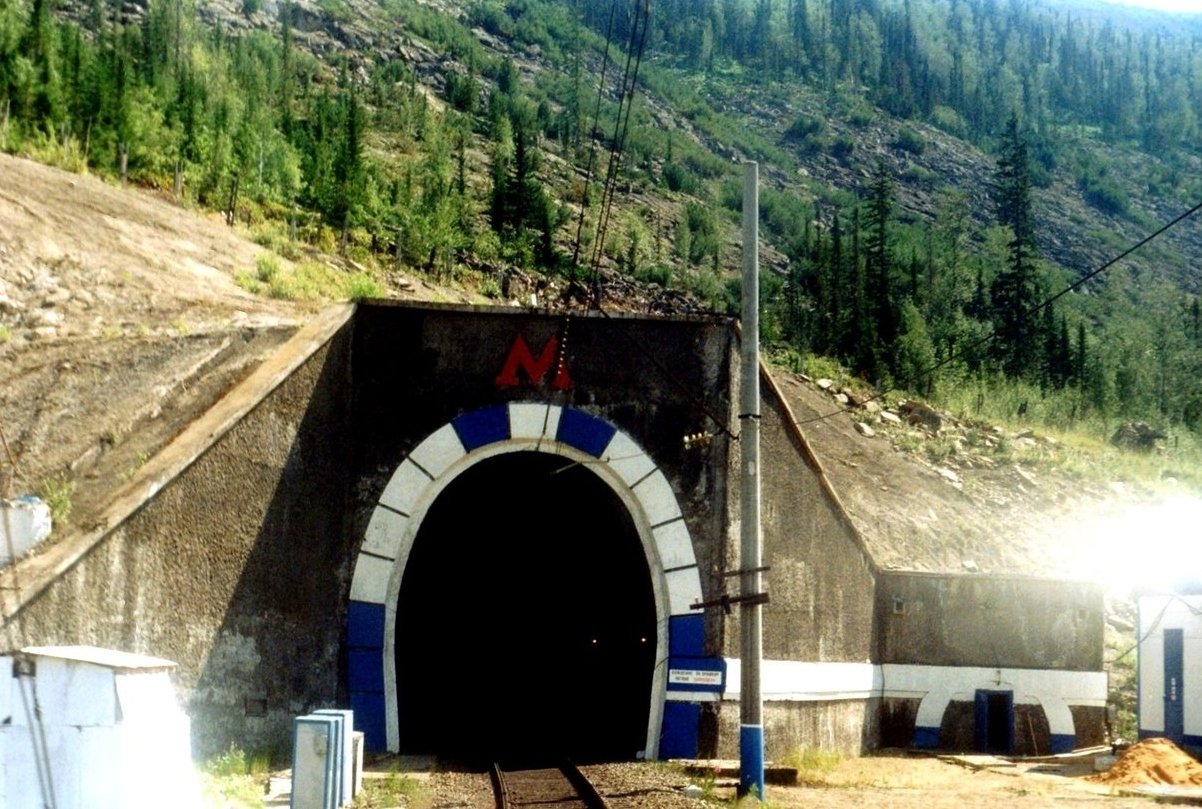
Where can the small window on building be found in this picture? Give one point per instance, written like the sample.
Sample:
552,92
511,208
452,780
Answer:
899,605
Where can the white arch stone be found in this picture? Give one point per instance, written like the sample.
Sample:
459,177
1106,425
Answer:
532,426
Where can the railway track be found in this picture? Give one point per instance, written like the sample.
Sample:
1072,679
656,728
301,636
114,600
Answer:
563,787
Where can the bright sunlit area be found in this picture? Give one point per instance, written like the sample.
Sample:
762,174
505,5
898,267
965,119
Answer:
1146,546
1175,6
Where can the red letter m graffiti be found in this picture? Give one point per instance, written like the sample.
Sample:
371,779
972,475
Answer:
536,369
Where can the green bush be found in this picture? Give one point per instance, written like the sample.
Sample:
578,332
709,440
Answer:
678,178
949,121
1104,194
910,141
843,147
804,127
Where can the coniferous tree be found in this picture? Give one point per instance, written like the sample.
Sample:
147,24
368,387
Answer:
879,287
1015,290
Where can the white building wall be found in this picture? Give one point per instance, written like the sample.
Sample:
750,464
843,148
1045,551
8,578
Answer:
85,728
1156,614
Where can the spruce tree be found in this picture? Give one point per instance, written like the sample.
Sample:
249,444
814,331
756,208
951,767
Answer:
1015,291
878,282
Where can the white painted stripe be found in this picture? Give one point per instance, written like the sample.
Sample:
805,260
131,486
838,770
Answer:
796,681
657,498
1073,687
384,533
536,421
692,696
627,459
406,485
370,582
684,590
440,449
674,545
799,681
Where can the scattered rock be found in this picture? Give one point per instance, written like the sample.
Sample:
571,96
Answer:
947,474
40,318
1137,435
921,415
10,306
890,417
825,384
864,430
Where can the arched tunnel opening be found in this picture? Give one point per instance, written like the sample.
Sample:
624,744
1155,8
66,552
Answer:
526,626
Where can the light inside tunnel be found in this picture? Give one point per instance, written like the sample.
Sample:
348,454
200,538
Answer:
523,618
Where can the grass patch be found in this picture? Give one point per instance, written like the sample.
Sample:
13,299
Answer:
814,765
396,789
5,334
235,780
56,493
307,281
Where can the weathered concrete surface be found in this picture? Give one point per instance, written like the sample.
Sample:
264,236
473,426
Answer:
218,560
821,580
231,552
971,620
846,726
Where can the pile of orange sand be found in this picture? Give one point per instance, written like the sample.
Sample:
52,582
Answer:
1152,761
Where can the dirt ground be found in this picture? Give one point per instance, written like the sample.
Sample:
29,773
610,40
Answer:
892,781
120,322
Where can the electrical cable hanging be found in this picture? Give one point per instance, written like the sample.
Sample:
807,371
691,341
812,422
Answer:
634,55
1030,312
634,52
592,152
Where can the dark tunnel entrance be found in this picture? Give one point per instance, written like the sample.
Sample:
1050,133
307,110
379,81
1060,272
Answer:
525,624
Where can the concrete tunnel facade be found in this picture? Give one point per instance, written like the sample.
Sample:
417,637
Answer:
459,520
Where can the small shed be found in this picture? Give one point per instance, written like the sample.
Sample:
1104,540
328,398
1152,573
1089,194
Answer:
96,728
1170,666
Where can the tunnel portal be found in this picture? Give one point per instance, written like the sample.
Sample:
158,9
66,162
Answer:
526,623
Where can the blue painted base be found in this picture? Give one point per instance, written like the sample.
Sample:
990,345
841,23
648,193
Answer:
678,736
926,738
751,760
1063,742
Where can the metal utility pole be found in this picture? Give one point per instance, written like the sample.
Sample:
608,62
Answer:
751,732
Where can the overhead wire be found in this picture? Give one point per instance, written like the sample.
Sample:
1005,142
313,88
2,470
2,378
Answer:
636,44
626,94
592,154
1029,312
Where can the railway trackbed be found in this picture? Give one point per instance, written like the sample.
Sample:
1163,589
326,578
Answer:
561,787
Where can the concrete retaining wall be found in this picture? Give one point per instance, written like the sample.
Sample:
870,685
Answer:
225,566
989,621
847,726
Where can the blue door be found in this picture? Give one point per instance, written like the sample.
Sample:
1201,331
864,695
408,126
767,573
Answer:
993,722
1174,688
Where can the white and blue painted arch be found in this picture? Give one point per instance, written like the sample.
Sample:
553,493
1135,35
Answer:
683,675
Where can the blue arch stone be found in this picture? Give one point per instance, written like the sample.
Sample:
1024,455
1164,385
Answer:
584,432
479,428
